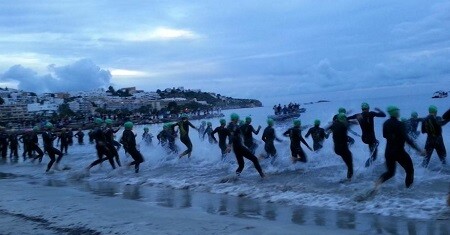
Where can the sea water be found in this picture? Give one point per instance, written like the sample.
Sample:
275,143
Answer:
313,184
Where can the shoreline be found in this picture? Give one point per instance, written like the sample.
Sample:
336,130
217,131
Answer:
56,206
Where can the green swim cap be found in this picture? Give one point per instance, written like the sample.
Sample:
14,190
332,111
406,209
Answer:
317,122
203,122
414,114
209,123
365,105
184,116
35,128
48,125
393,111
432,109
234,117
248,119
223,121
128,125
98,121
108,121
342,110
341,117
270,122
146,129
297,122
403,119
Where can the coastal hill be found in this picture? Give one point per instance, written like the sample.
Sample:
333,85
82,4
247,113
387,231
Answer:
212,99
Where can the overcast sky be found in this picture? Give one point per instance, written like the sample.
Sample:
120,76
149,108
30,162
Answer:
249,49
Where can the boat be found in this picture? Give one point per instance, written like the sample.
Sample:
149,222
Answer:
287,116
440,94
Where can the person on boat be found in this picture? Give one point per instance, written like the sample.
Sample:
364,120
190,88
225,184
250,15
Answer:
295,135
183,127
432,126
394,131
366,122
269,137
129,142
247,133
318,135
339,128
240,151
223,133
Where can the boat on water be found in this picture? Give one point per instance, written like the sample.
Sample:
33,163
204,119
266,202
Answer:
440,94
287,116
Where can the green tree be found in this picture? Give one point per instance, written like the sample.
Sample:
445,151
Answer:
64,110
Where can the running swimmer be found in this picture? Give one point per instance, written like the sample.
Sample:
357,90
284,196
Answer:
101,146
235,141
183,127
48,137
111,143
318,135
80,136
365,120
269,137
208,132
395,134
223,133
247,132
432,126
147,137
295,134
129,142
339,128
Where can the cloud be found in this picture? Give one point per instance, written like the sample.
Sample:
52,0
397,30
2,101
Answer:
81,75
157,34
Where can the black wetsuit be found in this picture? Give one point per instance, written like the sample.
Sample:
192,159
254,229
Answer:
111,143
223,133
295,134
411,127
129,142
350,140
167,140
365,120
34,146
247,133
269,137
432,126
70,137
340,140
102,149
318,135
208,132
446,115
65,140
80,137
91,136
48,137
395,133
183,126
4,144
240,150
13,145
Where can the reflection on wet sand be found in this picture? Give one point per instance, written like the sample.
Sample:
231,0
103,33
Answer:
254,209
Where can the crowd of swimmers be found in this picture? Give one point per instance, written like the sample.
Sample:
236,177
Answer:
238,137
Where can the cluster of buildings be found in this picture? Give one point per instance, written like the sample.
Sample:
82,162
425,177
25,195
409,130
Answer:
21,105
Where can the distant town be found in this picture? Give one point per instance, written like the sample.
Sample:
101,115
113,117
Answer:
24,108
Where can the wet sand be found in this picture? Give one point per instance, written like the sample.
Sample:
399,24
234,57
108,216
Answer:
34,206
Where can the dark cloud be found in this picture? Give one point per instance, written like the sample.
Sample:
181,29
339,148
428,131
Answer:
79,76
